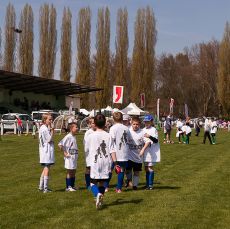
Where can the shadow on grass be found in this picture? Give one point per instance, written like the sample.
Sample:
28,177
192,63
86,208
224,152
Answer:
122,201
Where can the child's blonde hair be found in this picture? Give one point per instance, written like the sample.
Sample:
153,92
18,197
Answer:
45,116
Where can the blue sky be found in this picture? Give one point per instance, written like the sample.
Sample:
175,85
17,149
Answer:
180,23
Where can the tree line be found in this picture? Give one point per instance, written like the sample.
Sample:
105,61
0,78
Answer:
199,76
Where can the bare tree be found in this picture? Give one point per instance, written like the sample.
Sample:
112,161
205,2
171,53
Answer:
0,48
224,70
48,40
10,36
102,56
83,54
66,34
26,57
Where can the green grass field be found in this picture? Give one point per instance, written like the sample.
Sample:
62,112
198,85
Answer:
192,190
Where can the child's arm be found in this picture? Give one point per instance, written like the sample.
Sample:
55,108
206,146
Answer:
144,148
62,148
153,139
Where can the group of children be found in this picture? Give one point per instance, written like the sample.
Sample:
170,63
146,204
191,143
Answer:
124,148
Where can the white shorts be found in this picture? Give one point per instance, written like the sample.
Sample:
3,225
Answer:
71,162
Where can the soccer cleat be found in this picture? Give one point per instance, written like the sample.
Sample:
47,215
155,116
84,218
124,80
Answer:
99,201
107,189
71,189
134,187
40,189
46,190
118,190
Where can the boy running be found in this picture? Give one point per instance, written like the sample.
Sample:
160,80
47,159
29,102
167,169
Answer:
97,146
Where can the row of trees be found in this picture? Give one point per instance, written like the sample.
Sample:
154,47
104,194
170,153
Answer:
199,76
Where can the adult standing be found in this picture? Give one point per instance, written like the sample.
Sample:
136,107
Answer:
19,125
197,127
168,128
207,129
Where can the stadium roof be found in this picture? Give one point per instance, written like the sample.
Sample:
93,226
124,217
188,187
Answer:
27,83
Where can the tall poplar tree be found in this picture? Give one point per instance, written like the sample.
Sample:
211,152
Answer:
224,70
26,57
103,56
83,52
138,64
10,38
66,33
149,59
121,57
48,40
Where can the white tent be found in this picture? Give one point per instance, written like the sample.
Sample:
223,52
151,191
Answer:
84,111
108,108
133,109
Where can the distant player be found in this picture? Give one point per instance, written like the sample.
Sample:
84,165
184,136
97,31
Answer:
179,132
87,159
46,150
119,137
137,146
151,155
186,129
97,146
213,130
69,147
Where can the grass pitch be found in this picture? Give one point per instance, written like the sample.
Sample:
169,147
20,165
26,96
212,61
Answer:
192,190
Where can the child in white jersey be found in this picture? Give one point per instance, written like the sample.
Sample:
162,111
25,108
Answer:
137,145
69,147
151,155
87,159
119,134
46,150
213,130
97,145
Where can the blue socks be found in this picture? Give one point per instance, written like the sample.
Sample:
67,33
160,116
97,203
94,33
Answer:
120,178
101,189
106,183
147,179
94,190
70,182
151,178
87,180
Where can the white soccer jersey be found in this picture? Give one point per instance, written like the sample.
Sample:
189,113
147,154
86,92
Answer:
136,141
46,145
97,145
69,145
119,138
87,158
186,129
213,127
152,153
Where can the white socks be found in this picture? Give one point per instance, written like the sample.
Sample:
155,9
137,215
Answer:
41,184
46,181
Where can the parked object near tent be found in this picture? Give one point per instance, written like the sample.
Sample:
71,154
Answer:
133,109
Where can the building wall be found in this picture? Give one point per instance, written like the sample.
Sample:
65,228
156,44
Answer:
9,97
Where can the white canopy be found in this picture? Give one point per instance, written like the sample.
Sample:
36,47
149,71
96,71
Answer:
109,108
84,111
133,109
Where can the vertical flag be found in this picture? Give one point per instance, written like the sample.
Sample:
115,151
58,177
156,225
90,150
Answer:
171,104
186,110
142,97
118,94
158,109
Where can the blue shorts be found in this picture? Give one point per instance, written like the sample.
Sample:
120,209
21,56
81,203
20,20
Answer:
134,166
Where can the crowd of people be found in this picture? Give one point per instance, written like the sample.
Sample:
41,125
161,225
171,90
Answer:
123,147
